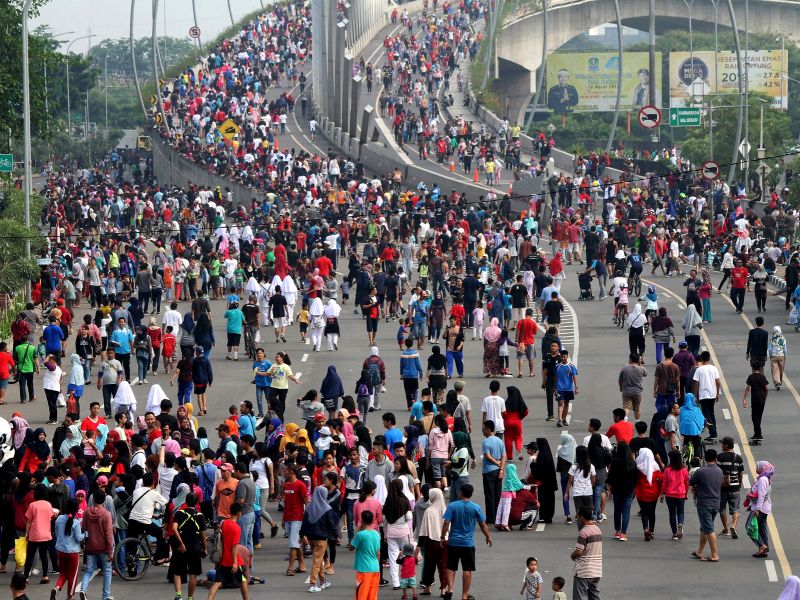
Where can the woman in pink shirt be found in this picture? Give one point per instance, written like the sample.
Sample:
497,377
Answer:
37,530
440,445
368,501
674,488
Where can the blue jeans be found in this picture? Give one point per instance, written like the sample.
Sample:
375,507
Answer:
185,392
564,480
247,521
459,359
349,504
675,510
660,347
94,562
262,391
622,511
142,364
596,493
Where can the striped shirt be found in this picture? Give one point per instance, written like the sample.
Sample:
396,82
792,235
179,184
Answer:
590,564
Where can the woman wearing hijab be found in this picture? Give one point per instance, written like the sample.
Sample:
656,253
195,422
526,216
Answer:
692,323
777,350
316,313
492,366
791,590
37,451
557,271
511,485
636,323
125,401
621,481
543,474
436,374
515,413
691,423
331,390
760,498
331,314
320,524
663,332
567,447
648,490
275,435
399,526
289,291
759,280
73,440
459,463
204,334
704,293
436,314
185,335
430,541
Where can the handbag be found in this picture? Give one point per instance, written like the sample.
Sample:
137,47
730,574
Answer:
751,528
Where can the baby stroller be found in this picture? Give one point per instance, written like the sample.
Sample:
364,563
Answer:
585,285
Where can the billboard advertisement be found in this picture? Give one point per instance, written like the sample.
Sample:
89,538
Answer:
705,75
587,81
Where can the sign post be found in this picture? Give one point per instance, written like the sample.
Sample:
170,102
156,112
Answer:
194,32
688,116
649,117
710,170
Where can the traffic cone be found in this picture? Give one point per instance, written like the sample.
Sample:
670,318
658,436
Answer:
475,176
452,166
511,189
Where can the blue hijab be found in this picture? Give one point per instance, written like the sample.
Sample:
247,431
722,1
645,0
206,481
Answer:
692,419
332,385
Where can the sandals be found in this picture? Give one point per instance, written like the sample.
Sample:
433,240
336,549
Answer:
289,573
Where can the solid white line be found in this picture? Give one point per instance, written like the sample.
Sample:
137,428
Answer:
772,574
305,357
569,419
540,528
746,480
726,413
577,344
569,409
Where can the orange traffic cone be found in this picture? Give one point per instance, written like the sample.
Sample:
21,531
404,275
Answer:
475,176
510,189
452,166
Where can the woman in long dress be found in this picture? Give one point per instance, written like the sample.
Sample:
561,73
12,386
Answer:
289,290
316,313
543,473
491,349
331,314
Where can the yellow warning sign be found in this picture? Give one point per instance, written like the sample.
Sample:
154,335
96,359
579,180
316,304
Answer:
229,129
153,99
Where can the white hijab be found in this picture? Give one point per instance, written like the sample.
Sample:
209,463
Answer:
252,286
154,398
276,282
646,464
380,489
124,399
316,309
332,310
289,289
247,233
637,318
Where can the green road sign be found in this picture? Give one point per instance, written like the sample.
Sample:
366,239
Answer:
6,163
684,117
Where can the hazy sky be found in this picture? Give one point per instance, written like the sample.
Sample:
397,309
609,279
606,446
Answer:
111,18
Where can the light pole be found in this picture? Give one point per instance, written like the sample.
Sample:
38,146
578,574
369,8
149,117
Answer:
716,45
69,106
133,61
46,94
230,13
26,103
542,68
194,13
783,68
619,78
689,4
105,65
740,83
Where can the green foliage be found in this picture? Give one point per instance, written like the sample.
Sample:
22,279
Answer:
119,55
15,268
64,147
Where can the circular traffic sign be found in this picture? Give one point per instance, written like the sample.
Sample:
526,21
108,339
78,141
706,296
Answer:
710,169
194,32
649,117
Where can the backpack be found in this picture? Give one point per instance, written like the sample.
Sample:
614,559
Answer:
363,389
374,372
216,546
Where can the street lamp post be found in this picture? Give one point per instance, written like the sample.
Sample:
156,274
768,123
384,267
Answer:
105,65
46,92
69,106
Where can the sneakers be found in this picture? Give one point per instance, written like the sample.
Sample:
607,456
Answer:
383,583
326,585
623,537
550,418
559,423
603,517
314,589
257,546
81,595
568,521
53,594
680,531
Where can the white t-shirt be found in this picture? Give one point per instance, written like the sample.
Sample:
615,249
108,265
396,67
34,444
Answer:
706,377
174,318
144,502
260,470
165,476
606,443
494,407
581,486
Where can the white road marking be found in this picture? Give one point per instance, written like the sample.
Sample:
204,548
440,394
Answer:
726,413
772,574
569,419
308,341
746,480
737,448
305,357
540,528
298,374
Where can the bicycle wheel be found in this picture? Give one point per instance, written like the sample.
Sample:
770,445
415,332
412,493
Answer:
132,565
637,286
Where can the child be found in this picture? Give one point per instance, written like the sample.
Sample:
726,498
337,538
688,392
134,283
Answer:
620,301
168,344
41,351
558,586
303,318
402,333
532,580
408,569
652,305
345,287
504,343
756,386
323,442
477,321
511,484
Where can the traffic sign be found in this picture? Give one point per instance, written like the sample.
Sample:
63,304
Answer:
194,32
649,117
688,116
744,148
710,169
6,163
229,129
153,99
764,169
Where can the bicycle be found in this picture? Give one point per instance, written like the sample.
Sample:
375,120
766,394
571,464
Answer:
249,341
131,566
635,284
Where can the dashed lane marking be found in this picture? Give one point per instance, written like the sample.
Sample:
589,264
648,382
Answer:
305,357
726,413
772,574
540,528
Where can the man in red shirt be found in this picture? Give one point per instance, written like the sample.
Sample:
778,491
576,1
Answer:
526,330
324,264
621,429
94,419
738,284
7,365
295,495
229,570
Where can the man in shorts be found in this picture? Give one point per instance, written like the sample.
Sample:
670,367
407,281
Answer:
459,520
732,469
519,300
188,545
566,386
229,570
278,311
631,385
526,332
707,485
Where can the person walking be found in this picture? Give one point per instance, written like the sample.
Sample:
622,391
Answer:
99,551
706,390
229,570
587,557
460,519
367,561
674,489
707,485
760,497
494,467
631,385
778,352
732,469
621,481
648,490
582,477
738,285
319,525
757,344
27,365
757,387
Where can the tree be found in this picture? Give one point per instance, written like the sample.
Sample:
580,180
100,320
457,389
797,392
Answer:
15,268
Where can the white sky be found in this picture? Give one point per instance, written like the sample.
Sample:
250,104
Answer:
111,18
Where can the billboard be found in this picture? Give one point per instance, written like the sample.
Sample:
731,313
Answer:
721,76
587,81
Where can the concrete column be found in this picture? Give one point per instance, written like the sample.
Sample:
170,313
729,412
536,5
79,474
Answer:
366,116
339,76
318,45
330,70
355,92
347,99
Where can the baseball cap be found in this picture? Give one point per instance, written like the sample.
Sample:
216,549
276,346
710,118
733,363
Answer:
683,344
319,417
102,481
226,467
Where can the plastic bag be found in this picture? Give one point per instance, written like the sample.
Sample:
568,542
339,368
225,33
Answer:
258,336
20,552
61,402
751,528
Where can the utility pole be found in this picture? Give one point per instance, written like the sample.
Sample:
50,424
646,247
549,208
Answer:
619,78
106,82
26,102
652,59
133,61
746,88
